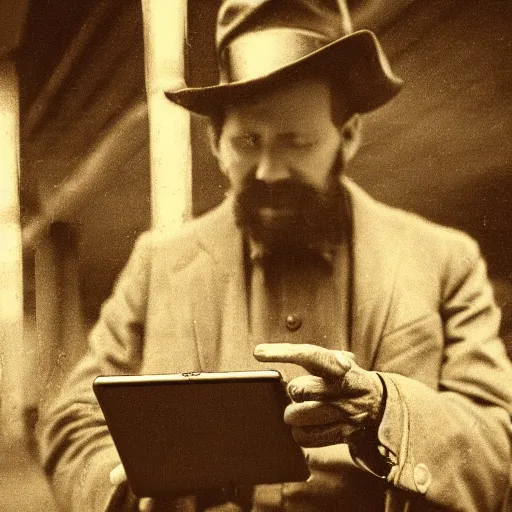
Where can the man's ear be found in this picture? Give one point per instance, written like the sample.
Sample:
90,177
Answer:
350,133
213,139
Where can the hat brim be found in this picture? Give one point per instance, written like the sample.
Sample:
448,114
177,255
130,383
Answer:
355,61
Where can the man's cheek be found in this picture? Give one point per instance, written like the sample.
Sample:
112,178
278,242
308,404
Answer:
236,171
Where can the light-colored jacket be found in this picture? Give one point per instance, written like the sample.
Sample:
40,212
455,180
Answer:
423,315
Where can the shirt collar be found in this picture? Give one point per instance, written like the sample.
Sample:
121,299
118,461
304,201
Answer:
326,251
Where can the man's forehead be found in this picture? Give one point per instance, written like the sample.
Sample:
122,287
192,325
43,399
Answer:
300,103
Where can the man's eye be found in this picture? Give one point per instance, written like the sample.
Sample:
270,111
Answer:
245,142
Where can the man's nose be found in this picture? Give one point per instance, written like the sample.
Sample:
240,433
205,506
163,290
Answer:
272,167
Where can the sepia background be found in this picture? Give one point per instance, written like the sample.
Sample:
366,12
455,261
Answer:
442,148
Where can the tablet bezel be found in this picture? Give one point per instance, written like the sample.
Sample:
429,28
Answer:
226,417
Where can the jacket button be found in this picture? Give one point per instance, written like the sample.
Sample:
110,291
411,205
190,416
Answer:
293,322
422,477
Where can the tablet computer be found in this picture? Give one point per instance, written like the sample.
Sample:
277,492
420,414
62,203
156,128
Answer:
190,432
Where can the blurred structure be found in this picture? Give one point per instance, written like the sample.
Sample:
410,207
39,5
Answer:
84,149
442,148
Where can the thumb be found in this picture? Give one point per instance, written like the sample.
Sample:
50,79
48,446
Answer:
145,505
117,475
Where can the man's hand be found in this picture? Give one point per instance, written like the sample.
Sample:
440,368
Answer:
185,504
336,400
118,477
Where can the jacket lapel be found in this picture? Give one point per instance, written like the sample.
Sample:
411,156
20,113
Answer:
220,308
376,255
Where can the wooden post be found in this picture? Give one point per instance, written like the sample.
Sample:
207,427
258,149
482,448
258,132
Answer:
171,169
11,288
48,309
60,327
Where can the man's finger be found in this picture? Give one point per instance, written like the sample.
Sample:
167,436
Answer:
145,505
117,475
319,361
308,414
312,388
315,436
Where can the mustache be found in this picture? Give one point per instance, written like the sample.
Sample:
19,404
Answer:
280,194
290,213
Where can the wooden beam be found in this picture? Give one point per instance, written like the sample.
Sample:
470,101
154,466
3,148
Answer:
11,289
171,169
93,174
74,52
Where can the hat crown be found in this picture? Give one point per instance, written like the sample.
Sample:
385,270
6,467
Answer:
257,37
329,18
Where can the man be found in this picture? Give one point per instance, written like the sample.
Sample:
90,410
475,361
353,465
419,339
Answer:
383,324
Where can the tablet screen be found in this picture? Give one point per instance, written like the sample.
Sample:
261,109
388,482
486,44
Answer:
190,432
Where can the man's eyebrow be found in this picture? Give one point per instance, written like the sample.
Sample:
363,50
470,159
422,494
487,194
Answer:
311,133
241,134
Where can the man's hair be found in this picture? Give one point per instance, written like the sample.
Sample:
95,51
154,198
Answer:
339,113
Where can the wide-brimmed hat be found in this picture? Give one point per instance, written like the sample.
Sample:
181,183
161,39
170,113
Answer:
264,43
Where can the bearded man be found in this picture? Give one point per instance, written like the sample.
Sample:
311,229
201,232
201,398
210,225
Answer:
382,323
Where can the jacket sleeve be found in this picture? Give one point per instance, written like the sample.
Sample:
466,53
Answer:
76,449
452,446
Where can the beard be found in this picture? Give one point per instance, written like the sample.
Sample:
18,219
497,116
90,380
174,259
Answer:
289,216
